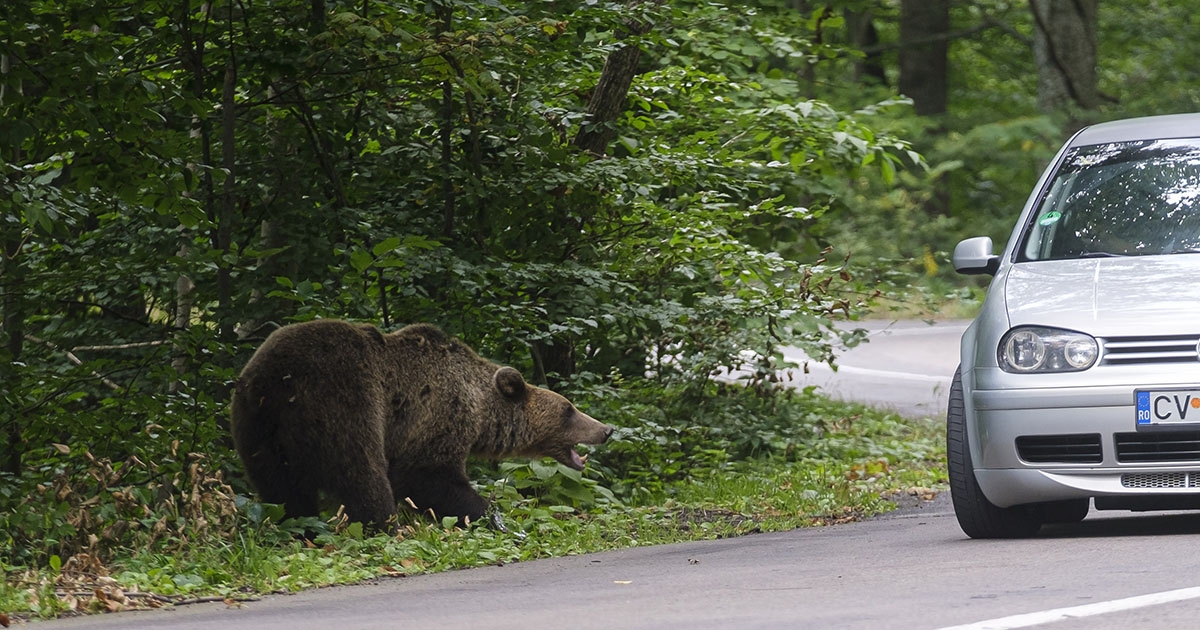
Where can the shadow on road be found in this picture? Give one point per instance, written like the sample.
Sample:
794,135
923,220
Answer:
1166,524
1099,524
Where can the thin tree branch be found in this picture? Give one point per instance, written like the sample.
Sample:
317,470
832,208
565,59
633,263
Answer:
74,359
119,346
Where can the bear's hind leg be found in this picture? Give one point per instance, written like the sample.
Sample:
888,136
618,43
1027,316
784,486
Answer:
366,495
444,490
297,500
278,482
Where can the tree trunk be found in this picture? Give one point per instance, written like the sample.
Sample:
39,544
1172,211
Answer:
224,232
185,298
14,341
860,26
924,38
554,360
612,89
923,66
1064,47
449,197
553,364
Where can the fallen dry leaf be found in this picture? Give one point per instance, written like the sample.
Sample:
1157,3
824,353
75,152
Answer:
925,494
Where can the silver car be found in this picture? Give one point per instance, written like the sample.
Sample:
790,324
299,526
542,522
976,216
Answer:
1079,381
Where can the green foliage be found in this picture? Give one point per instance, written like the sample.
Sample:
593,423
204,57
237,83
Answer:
864,454
986,152
178,180
1145,66
556,486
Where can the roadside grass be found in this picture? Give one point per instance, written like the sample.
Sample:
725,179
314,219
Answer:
859,458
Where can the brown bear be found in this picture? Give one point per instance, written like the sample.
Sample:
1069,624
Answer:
374,420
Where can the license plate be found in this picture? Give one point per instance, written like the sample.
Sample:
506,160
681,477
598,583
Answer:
1167,406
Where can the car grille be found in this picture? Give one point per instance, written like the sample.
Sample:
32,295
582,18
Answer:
1060,449
1161,480
1167,349
1158,446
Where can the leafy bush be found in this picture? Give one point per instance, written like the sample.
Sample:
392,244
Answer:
399,166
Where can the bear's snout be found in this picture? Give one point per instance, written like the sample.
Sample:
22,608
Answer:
584,430
591,430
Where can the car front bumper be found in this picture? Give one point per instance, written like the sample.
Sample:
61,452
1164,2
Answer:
1087,444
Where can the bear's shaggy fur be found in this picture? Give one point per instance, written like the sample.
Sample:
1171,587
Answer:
374,420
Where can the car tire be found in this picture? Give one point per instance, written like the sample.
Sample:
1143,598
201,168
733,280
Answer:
977,516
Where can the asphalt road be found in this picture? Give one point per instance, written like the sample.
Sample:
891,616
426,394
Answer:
905,366
911,569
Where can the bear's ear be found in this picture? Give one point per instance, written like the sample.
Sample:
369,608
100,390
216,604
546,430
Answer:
510,382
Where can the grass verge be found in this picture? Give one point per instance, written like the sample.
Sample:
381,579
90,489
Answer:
860,457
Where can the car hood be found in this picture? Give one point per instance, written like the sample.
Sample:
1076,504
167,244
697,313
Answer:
1135,295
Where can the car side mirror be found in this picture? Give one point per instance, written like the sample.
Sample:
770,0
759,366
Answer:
974,256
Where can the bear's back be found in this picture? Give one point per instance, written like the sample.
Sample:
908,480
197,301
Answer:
332,352
440,393
428,357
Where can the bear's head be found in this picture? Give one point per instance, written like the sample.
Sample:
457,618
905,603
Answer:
552,425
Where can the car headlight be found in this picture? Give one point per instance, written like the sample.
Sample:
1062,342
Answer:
1036,349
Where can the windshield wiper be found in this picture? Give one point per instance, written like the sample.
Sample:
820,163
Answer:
1100,255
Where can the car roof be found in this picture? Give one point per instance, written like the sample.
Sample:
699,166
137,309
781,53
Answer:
1147,128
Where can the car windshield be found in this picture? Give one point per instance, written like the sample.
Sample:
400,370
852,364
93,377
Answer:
1119,199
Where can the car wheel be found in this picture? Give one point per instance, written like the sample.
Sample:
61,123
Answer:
978,517
1069,511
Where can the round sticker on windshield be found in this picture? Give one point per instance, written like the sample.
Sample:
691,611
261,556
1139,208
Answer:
1050,218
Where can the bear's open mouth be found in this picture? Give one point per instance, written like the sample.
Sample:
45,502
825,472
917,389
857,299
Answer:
574,459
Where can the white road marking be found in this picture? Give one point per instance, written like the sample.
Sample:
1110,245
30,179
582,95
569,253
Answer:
888,374
1076,612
